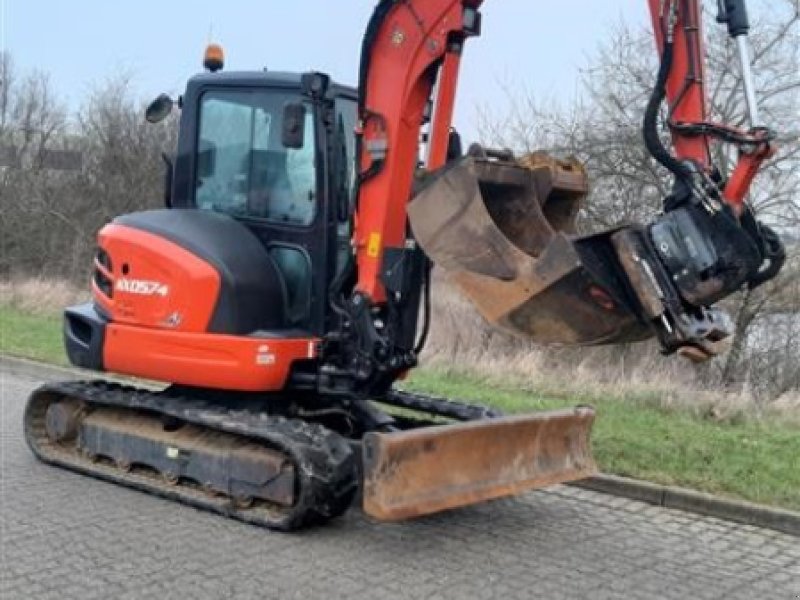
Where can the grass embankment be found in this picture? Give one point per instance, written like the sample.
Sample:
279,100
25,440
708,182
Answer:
31,336
758,460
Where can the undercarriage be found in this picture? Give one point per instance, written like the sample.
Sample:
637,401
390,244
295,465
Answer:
280,473
287,469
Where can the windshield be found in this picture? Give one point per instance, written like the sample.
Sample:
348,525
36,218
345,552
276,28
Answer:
243,168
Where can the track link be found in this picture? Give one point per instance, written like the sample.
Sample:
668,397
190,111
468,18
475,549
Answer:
442,407
325,466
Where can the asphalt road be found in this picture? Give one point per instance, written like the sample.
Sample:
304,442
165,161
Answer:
66,536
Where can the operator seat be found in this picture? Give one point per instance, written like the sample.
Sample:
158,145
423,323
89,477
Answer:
270,195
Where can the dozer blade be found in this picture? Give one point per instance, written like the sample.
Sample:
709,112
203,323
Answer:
429,469
504,233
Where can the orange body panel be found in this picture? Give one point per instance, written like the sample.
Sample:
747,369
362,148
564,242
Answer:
163,300
203,359
157,284
412,40
742,177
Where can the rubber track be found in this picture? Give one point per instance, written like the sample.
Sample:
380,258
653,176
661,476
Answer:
442,407
324,461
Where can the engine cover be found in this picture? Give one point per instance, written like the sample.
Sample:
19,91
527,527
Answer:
189,271
188,297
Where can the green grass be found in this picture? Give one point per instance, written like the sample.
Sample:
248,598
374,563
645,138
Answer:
754,460
31,336
758,460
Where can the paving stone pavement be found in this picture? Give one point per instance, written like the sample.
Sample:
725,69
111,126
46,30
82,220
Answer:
67,536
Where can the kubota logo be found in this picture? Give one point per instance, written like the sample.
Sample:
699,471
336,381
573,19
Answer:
142,287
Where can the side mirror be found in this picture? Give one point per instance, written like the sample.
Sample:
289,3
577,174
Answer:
293,134
159,109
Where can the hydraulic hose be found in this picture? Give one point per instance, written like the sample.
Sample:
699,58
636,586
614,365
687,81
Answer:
426,324
652,140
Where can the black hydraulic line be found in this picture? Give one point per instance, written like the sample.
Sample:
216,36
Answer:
652,140
440,407
775,254
374,25
426,323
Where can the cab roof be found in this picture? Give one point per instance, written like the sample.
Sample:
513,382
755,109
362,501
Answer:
265,79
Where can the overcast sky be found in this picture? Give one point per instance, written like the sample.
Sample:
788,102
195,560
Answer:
532,43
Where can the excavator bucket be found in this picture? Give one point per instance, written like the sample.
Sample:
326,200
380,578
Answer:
429,469
504,231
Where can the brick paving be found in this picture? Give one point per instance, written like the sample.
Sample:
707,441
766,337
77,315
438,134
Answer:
67,536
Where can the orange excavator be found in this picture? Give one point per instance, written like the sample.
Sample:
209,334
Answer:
286,287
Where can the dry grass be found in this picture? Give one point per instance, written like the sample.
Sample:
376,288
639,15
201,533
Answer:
462,342
43,297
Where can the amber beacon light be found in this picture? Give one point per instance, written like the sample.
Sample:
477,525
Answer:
214,58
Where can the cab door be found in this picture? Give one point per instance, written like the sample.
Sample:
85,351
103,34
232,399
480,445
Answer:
243,169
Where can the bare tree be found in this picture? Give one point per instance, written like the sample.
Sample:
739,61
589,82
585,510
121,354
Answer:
32,119
50,215
6,83
124,168
603,128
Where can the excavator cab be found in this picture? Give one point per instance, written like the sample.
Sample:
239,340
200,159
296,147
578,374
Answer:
257,230
257,142
254,146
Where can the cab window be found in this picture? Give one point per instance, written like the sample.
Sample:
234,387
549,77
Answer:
243,169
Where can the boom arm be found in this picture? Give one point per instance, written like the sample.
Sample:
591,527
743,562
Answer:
678,30
411,49
411,45
407,44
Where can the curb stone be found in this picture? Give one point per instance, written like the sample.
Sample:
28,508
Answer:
666,496
678,498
